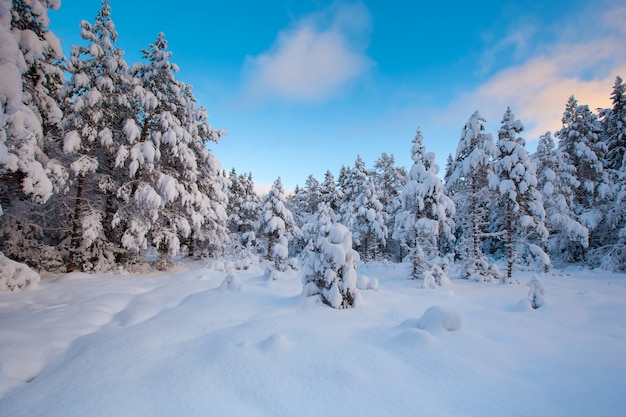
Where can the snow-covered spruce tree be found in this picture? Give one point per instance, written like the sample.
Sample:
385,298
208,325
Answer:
611,252
579,140
96,106
30,123
167,189
351,181
329,262
277,226
389,180
30,116
209,230
369,223
330,194
243,215
519,204
557,181
425,214
614,128
468,187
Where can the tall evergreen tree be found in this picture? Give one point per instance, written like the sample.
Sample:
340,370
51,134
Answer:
164,201
352,182
519,203
557,181
243,215
96,106
29,112
611,250
277,225
330,194
467,185
614,123
579,139
389,180
30,124
425,214
369,222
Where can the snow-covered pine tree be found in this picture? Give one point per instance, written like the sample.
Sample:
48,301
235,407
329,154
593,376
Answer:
30,116
468,187
329,262
351,181
329,193
425,214
209,230
557,181
519,204
243,214
614,132
611,252
96,106
579,139
30,122
389,180
277,226
369,222
164,194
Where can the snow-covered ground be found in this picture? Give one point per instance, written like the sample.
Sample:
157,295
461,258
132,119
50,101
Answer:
183,344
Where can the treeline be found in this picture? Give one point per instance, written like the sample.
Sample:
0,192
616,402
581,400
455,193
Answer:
102,164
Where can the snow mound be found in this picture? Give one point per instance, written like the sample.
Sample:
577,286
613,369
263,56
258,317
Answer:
277,342
439,317
364,282
232,282
15,275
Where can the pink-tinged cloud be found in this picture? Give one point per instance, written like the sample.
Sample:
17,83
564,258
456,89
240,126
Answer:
538,88
314,59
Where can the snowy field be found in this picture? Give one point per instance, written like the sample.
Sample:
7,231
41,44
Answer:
183,344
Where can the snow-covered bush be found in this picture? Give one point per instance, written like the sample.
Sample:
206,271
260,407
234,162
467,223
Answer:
536,293
329,265
15,275
231,282
364,282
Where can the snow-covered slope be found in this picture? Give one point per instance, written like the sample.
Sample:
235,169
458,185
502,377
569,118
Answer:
186,345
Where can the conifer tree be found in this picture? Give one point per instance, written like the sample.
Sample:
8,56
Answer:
243,214
30,122
166,162
467,185
611,250
519,202
425,214
557,181
30,116
579,139
369,222
614,123
389,180
330,194
329,268
352,182
96,106
277,225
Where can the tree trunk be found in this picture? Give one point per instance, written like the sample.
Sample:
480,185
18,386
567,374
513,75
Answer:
509,242
75,241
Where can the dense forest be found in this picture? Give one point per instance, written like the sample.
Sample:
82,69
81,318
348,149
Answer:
105,166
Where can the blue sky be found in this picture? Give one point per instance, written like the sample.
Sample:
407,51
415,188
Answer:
305,86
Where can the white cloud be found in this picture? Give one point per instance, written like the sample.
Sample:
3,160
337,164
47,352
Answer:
315,58
538,88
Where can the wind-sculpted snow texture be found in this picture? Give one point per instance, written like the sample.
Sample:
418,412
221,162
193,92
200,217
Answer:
179,345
